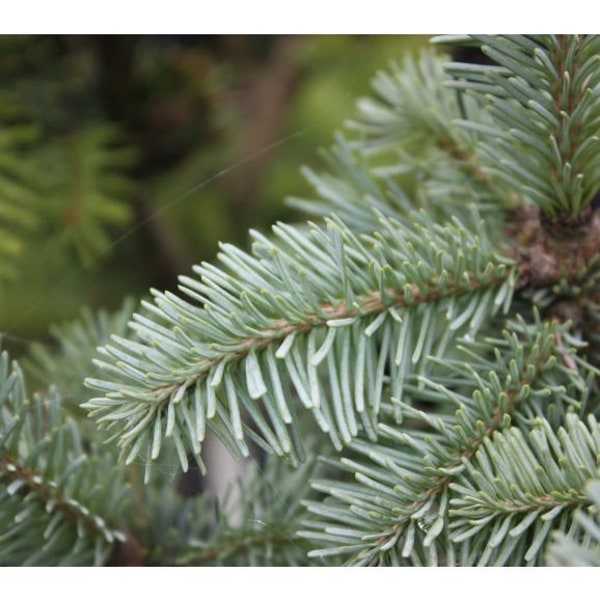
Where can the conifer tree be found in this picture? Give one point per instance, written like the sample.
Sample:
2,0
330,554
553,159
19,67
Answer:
417,364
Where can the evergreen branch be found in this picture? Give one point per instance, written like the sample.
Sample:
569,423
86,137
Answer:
405,149
81,193
68,363
242,549
412,114
402,499
543,98
53,496
320,297
87,190
254,525
350,191
524,486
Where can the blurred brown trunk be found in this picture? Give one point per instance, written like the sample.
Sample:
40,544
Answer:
262,105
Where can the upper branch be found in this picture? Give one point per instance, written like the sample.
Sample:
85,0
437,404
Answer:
543,97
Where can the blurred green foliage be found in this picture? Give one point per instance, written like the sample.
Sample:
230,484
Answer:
126,159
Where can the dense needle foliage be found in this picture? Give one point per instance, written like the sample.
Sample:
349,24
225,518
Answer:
415,370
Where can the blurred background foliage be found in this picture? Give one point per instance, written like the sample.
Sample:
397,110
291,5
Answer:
126,159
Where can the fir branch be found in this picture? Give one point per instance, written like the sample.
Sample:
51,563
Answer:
255,523
241,548
319,297
543,98
53,495
403,150
403,498
413,113
524,487
87,190
67,362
